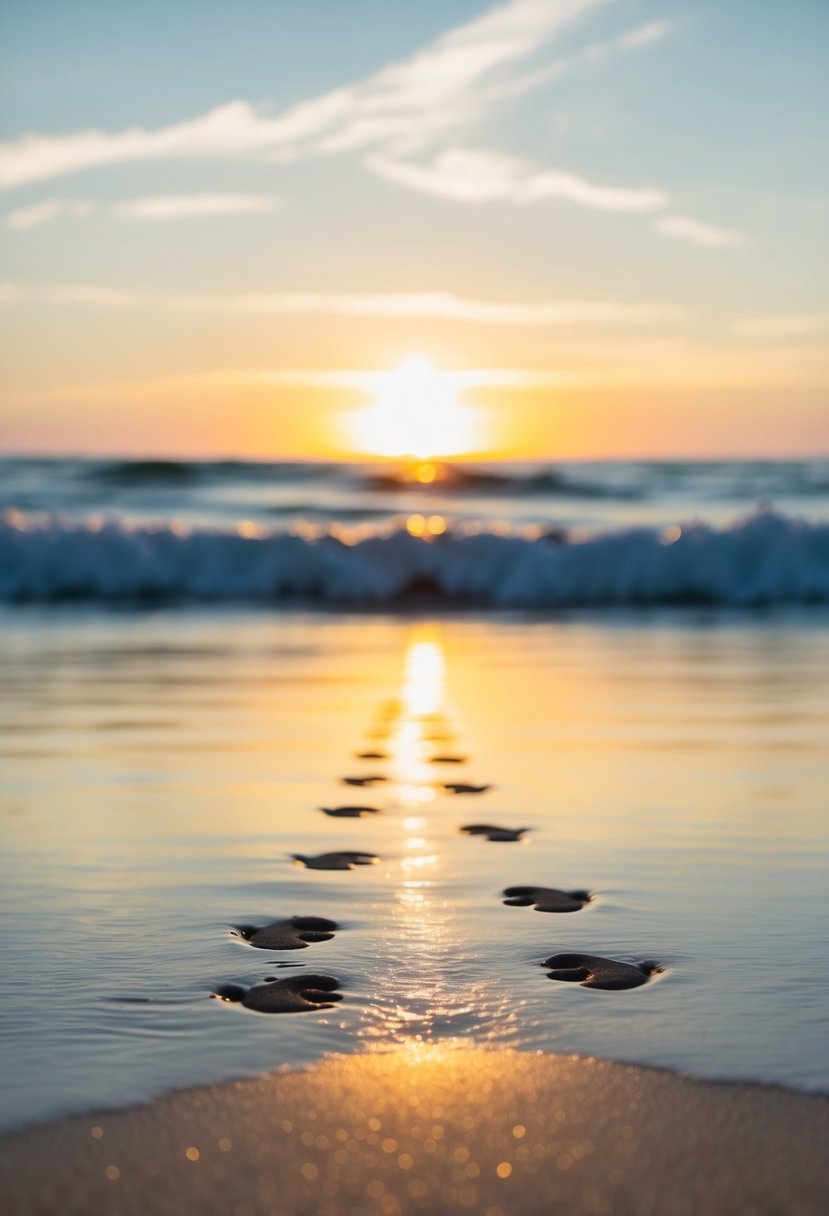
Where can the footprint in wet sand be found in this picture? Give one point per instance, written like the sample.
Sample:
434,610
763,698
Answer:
592,971
335,861
546,899
372,755
349,812
463,787
445,759
362,780
295,933
494,833
296,994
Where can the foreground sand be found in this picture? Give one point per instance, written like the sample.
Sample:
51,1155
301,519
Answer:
433,1130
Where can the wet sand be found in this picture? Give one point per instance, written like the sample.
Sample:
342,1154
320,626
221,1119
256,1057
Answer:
435,1130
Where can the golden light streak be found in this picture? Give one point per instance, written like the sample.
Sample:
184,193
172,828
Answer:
424,678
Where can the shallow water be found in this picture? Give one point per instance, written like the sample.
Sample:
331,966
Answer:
160,768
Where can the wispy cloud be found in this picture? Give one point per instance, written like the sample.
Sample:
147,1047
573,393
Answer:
48,209
664,363
688,229
154,209
441,86
434,305
10,293
38,213
158,208
470,175
594,53
105,297
644,35
480,176
390,117
804,325
439,305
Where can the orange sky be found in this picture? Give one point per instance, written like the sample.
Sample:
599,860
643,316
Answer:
216,254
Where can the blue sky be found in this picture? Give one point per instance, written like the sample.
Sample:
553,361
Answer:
619,202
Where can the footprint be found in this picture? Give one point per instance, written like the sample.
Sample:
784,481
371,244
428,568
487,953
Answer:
335,861
463,787
546,899
349,812
362,780
293,934
592,971
448,759
371,755
493,833
296,994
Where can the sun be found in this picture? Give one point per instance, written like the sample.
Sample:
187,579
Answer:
416,415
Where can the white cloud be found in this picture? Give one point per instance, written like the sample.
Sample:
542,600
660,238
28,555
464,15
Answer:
389,116
48,209
688,229
159,208
439,87
480,176
804,325
227,129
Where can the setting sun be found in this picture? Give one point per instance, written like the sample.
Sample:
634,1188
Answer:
416,414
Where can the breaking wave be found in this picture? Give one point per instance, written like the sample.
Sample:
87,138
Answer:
765,559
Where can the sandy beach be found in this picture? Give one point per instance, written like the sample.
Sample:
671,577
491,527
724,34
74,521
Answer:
435,1130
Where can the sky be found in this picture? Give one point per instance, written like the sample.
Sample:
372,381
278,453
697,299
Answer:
224,224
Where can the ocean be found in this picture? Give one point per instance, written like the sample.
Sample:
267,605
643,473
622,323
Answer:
633,658
529,536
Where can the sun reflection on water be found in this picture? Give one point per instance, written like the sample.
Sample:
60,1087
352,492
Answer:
424,678
422,695
427,989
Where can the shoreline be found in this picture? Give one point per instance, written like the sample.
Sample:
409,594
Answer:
432,1129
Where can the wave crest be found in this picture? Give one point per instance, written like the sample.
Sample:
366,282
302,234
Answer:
765,559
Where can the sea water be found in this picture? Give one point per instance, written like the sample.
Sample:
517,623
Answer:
167,750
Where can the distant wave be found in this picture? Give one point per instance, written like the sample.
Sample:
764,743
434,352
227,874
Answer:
765,559
459,479
44,483
451,479
143,472
137,473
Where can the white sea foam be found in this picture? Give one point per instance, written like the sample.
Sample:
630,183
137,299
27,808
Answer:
767,558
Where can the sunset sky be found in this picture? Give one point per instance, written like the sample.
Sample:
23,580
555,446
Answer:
225,224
